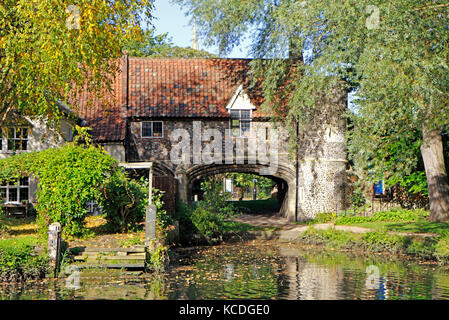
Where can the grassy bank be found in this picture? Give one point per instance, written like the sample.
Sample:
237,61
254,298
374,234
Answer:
429,248
386,225
19,261
396,220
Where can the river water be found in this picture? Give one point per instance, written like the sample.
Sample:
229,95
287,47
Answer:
254,270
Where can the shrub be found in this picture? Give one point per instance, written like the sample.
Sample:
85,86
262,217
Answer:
382,241
424,249
19,262
209,216
124,202
209,224
69,177
442,249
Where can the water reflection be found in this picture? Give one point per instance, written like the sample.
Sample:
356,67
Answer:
256,271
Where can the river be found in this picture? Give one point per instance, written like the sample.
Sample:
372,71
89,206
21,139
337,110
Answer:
254,270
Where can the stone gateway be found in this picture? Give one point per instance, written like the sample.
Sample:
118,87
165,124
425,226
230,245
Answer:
198,117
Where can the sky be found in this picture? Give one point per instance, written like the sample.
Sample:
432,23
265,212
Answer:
171,19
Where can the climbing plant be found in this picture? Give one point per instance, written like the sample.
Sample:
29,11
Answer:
68,177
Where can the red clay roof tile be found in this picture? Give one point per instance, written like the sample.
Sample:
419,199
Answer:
165,87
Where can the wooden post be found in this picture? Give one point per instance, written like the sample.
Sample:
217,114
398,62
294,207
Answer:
54,245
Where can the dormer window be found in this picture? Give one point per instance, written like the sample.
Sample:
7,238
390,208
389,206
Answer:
241,123
240,109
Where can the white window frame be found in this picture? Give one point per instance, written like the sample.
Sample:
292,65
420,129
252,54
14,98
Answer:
5,139
240,119
151,137
17,187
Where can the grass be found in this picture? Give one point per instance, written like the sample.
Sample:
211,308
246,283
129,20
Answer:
18,227
398,220
19,242
409,226
257,206
234,226
380,239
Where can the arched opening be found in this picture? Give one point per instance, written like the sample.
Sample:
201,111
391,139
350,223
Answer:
255,194
250,193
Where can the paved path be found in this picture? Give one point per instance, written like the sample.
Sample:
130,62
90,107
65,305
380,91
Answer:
264,220
289,231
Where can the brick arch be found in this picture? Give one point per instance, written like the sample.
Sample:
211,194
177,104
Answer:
285,174
160,168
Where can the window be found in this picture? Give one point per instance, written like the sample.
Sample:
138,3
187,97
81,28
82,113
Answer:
241,123
17,139
16,192
152,129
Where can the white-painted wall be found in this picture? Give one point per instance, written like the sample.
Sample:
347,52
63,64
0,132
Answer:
115,150
40,137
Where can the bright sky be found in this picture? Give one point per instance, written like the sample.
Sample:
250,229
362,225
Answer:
171,19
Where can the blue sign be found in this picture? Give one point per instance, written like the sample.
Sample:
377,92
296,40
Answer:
379,187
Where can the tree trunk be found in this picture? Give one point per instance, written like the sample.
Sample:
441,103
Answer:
432,154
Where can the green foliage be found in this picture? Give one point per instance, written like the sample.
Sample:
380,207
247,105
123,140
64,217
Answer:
399,215
157,256
442,249
68,177
209,217
124,202
48,46
382,241
208,224
214,199
245,181
164,220
424,249
161,46
372,242
19,262
211,213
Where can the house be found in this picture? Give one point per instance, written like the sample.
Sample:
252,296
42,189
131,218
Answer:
197,117
152,98
25,135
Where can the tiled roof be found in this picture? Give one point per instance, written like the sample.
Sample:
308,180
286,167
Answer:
166,87
184,87
105,113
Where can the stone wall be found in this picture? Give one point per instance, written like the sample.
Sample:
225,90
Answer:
317,183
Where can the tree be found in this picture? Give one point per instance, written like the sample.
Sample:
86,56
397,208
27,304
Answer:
246,182
394,52
161,46
50,47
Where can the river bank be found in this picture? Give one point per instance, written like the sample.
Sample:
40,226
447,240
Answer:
393,232
254,269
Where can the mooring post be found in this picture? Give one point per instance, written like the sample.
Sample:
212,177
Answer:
54,245
150,215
